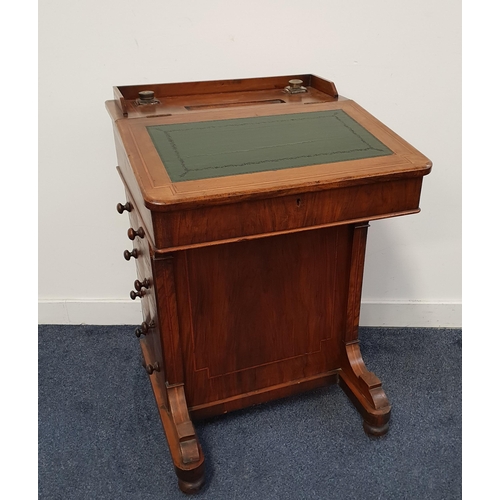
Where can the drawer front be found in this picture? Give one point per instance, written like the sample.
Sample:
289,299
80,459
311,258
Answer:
286,213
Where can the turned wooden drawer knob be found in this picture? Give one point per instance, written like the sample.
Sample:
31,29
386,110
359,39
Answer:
134,253
121,208
155,367
142,330
138,285
132,233
134,294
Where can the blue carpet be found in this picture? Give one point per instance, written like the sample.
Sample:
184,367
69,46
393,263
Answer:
100,435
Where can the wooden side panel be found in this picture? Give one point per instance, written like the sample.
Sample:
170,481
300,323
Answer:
286,213
168,317
257,314
131,186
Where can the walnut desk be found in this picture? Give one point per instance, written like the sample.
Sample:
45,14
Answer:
249,202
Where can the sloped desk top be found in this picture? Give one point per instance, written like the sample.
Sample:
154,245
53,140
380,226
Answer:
185,155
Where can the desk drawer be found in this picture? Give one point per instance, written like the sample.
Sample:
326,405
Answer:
286,213
144,290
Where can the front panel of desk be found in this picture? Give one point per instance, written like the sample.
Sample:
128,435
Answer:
249,203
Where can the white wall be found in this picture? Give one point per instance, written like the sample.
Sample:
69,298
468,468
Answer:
399,59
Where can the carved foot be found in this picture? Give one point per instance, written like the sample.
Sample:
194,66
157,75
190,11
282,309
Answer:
365,391
185,448
191,481
186,452
376,431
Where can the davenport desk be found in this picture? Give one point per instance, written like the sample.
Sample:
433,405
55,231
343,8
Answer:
249,202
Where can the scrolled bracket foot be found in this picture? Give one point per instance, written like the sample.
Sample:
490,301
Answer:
365,391
375,430
185,449
191,487
191,481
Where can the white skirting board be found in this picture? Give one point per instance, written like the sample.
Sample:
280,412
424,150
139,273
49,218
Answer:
412,314
126,312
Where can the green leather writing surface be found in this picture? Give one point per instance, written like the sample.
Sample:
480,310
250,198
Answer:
202,150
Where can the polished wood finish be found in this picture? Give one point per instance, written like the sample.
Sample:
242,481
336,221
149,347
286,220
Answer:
179,97
161,195
250,284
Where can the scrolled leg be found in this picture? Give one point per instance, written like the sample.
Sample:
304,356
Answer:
188,457
365,390
185,450
363,387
